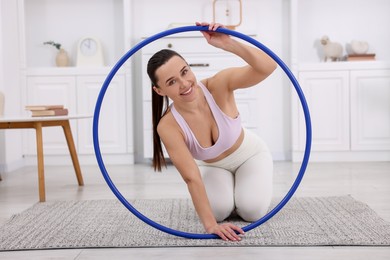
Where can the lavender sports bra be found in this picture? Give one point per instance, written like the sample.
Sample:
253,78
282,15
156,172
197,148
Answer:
229,130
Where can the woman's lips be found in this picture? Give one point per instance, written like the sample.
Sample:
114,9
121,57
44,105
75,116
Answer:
187,92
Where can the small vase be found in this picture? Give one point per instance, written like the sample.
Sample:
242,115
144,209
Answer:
1,104
62,59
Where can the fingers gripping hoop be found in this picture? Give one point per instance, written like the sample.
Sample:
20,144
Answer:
244,37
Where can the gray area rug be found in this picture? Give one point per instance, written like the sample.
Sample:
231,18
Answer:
322,221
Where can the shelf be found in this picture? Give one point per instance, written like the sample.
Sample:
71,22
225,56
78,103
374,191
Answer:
69,71
343,65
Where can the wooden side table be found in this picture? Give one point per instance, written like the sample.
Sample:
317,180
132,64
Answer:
38,123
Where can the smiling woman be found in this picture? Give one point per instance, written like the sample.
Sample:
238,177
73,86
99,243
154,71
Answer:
227,169
232,178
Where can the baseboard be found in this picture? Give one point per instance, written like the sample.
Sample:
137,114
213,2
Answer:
12,166
117,159
337,156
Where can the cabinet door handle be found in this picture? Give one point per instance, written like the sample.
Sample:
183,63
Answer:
199,65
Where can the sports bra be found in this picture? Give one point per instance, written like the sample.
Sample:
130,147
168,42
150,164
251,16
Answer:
229,130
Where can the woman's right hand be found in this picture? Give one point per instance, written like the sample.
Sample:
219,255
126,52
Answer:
227,231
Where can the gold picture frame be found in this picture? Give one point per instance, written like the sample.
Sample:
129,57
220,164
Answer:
228,14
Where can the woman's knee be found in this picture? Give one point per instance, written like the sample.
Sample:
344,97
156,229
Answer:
252,210
222,209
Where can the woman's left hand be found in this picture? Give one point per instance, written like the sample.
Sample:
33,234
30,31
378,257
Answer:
216,39
227,231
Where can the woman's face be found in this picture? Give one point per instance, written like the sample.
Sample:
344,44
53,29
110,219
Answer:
176,80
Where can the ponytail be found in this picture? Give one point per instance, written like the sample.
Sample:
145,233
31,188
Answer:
160,104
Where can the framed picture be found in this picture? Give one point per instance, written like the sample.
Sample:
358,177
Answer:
228,12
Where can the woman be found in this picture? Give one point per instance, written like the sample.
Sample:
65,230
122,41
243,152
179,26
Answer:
226,168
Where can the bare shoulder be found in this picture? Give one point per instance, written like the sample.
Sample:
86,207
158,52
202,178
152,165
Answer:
168,128
173,139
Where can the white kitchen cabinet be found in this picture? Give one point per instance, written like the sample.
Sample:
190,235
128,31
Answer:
349,105
370,110
327,94
112,119
78,93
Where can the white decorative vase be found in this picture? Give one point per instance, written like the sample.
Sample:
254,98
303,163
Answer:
62,58
359,47
1,104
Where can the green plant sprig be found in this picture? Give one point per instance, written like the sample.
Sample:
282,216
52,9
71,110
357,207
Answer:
57,45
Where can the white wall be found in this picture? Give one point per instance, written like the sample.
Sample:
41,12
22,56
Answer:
91,18
10,140
343,21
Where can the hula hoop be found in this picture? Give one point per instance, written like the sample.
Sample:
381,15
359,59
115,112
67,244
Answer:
121,198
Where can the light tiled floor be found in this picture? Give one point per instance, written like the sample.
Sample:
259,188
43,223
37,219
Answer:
367,182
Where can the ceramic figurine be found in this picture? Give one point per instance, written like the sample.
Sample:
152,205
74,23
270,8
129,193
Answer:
332,50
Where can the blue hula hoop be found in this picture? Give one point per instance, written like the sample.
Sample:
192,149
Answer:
155,37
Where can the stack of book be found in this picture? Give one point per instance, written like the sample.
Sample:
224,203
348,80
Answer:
47,110
360,57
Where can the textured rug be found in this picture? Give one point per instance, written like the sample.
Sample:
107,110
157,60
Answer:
322,221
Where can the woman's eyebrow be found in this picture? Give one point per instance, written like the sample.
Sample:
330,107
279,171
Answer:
169,79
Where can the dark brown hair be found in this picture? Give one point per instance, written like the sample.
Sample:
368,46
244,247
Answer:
160,104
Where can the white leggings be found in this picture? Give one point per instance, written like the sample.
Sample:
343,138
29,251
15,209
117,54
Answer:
241,182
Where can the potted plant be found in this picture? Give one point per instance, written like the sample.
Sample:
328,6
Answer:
62,58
